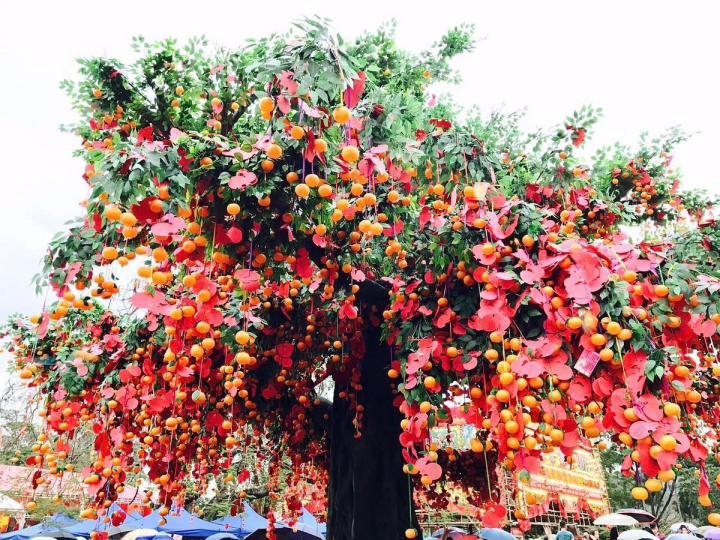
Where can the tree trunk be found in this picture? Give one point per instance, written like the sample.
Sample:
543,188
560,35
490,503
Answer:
369,496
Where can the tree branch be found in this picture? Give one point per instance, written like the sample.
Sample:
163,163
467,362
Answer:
318,413
228,127
668,501
369,292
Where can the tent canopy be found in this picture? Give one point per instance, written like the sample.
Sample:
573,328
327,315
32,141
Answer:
54,523
308,519
247,522
182,522
6,503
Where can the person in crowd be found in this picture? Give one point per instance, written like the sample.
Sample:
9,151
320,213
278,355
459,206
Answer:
613,533
656,531
563,533
684,530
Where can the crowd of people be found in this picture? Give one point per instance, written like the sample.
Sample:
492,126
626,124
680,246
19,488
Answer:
565,534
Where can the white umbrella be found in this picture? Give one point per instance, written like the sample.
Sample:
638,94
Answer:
637,534
681,536
620,520
675,527
453,533
137,533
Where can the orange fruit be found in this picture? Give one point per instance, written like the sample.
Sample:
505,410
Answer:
573,323
297,132
682,371
661,290
598,340
128,219
625,334
109,253
629,276
302,190
274,151
320,145
341,115
266,104
325,191
668,443
233,209
613,328
113,213
350,154
671,409
639,493
312,180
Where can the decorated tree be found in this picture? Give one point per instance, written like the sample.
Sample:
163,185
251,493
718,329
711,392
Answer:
303,214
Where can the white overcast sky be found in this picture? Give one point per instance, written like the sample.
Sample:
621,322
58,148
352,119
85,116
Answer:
649,64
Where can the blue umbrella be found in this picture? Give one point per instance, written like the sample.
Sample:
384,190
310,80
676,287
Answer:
495,534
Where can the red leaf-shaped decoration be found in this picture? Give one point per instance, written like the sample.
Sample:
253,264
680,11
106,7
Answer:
357,275
302,264
429,468
648,465
394,229
242,179
352,94
249,280
347,311
527,367
639,430
235,235
494,516
580,389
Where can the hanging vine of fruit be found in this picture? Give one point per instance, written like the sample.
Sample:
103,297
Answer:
265,196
